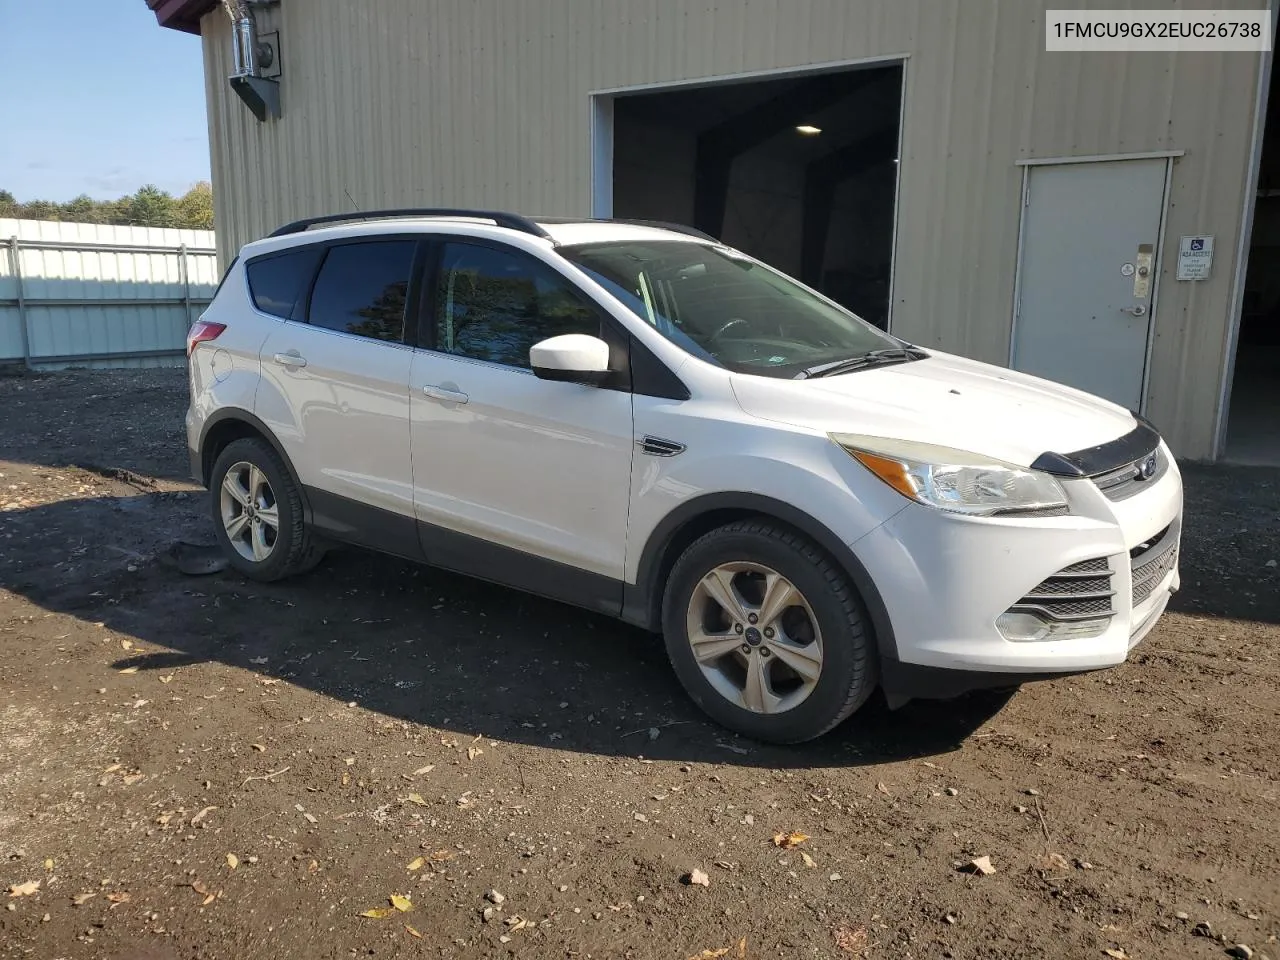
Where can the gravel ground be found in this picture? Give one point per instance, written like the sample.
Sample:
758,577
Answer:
203,767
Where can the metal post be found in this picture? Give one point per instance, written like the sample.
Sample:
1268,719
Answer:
186,283
15,258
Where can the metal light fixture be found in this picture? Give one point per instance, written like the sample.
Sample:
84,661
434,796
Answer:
808,130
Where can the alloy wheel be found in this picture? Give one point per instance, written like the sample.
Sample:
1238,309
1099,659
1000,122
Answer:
250,514
754,637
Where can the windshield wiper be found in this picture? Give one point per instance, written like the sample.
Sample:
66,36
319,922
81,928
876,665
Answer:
874,358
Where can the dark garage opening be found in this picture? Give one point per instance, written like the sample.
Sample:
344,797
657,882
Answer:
800,172
1253,421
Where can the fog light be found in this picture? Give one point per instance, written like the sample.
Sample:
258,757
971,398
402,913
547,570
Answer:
1019,626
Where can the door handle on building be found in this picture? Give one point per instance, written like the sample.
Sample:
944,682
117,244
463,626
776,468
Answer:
292,359
445,394
1137,310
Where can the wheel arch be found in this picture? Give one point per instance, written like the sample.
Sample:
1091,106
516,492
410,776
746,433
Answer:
642,601
231,424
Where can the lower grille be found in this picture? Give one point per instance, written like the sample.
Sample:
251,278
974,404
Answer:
1081,591
1151,562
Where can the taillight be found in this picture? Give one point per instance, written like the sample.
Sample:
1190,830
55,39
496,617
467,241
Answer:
203,331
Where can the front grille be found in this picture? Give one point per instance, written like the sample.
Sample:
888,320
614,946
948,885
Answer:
1081,591
1126,481
1152,561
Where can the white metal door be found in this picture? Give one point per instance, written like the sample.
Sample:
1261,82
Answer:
538,466
1087,276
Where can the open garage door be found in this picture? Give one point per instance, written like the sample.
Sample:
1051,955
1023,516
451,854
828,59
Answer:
797,170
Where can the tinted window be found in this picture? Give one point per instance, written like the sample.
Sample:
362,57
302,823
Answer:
276,283
495,304
362,288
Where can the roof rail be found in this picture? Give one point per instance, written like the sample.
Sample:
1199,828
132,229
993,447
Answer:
511,221
657,224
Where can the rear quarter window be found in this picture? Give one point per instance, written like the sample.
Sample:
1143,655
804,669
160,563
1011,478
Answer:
277,282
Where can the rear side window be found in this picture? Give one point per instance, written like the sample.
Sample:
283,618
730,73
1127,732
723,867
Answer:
277,283
362,288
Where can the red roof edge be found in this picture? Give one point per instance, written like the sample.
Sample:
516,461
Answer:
181,15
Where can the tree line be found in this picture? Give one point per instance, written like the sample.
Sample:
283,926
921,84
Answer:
149,207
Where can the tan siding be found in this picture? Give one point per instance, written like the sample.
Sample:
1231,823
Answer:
486,103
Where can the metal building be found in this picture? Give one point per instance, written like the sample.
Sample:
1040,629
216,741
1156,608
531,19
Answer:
926,162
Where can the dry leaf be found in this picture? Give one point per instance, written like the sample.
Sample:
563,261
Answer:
473,752
697,878
416,798
788,840
378,913
260,747
164,819
127,644
113,768
710,954
24,889
165,679
442,855
742,948
133,778
882,788
268,681
851,940
48,864
202,814
118,898
1055,861
417,863
80,899
199,887
412,932
516,922
129,670
979,865
1117,954
208,900
421,770
400,903
233,861
808,860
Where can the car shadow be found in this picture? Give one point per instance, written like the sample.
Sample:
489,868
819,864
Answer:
416,644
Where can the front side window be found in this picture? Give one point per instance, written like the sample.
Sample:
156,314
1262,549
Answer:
728,309
277,282
362,288
494,304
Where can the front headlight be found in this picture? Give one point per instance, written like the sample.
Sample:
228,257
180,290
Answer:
954,480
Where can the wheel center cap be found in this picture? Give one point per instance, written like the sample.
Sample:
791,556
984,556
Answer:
752,636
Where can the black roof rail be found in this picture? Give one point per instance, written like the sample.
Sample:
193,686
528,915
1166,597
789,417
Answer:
512,221
657,224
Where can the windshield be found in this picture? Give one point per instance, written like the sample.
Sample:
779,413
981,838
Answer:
726,308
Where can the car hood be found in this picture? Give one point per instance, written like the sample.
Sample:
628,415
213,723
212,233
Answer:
945,400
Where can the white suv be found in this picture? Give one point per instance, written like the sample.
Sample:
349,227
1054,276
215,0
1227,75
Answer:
642,421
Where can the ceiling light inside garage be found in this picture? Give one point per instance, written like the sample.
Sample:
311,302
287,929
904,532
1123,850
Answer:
808,130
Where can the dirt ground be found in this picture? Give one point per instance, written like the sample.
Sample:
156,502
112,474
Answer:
202,767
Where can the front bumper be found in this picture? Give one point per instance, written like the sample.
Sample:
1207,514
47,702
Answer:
946,578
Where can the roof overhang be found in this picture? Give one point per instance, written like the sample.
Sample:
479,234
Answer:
181,15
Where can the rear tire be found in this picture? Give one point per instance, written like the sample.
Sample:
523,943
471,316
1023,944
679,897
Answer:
258,514
783,650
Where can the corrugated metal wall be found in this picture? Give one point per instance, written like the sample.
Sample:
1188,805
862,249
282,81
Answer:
94,295
487,103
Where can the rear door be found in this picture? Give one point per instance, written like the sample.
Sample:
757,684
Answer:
517,479
335,390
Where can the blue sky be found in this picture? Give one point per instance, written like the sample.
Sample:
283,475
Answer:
97,99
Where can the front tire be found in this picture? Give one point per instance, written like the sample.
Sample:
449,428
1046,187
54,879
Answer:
767,634
258,515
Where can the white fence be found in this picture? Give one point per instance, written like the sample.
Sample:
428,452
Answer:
90,295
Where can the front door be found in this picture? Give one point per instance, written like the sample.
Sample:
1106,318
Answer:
516,479
1088,273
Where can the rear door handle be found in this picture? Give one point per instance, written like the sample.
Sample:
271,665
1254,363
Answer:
290,359
445,394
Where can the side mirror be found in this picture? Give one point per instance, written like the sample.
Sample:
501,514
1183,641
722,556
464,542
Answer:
572,358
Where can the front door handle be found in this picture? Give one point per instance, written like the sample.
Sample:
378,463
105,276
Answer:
445,394
291,359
